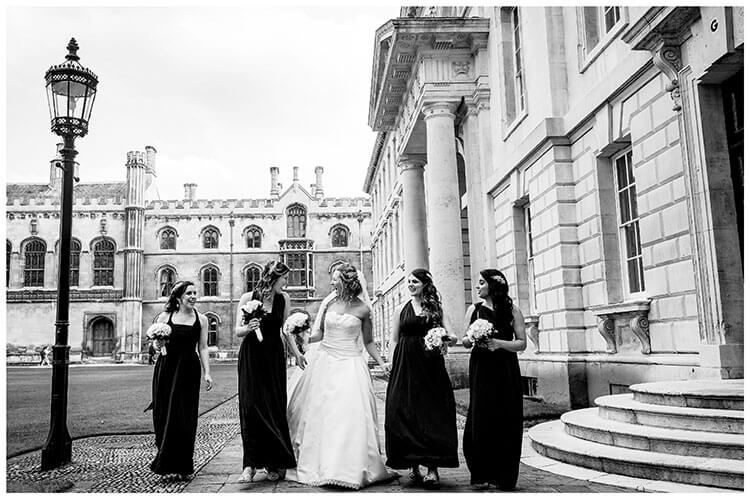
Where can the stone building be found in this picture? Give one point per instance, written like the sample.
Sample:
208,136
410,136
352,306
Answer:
594,155
130,247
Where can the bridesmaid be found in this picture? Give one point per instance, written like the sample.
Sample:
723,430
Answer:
177,380
420,411
494,423
261,370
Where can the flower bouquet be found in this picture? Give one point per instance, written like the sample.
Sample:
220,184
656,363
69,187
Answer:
435,338
159,332
479,331
253,310
295,325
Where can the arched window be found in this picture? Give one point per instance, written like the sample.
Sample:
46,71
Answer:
8,247
210,277
211,238
166,281
252,277
296,221
340,237
104,263
75,261
168,239
33,270
253,237
213,330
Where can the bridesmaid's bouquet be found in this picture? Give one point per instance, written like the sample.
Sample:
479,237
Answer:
479,331
159,333
253,310
295,325
435,337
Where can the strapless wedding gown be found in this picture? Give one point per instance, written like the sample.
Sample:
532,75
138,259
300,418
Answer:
332,413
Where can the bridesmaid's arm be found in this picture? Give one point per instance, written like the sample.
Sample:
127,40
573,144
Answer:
242,330
288,339
519,330
370,346
467,318
203,352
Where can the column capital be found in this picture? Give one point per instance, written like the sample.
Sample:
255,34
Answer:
434,109
412,161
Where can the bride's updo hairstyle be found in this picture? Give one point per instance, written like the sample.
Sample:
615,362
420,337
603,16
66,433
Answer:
350,285
431,304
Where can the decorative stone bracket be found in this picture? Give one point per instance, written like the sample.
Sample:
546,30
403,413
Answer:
635,312
532,330
666,57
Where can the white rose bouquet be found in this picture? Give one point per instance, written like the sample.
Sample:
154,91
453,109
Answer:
159,333
253,310
295,325
435,337
479,331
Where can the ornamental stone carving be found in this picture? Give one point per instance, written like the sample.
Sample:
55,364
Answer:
461,68
632,315
667,58
606,326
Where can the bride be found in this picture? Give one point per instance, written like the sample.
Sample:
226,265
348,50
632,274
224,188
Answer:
331,410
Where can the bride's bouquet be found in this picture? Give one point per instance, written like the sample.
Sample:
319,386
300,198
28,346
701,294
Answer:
479,331
295,325
253,310
159,333
435,338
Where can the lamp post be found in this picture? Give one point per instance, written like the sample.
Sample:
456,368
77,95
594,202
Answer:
71,90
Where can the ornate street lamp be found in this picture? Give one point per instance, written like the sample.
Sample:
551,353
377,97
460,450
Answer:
71,89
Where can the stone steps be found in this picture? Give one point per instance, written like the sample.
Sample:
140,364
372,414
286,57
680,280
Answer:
586,424
697,393
689,432
624,408
550,440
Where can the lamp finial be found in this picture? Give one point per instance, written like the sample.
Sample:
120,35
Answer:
72,49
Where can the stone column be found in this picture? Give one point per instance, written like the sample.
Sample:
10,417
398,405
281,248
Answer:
444,215
415,214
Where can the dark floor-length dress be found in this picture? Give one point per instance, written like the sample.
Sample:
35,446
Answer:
175,392
261,369
420,411
494,422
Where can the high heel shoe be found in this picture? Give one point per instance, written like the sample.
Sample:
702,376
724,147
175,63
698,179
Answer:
431,480
415,475
247,475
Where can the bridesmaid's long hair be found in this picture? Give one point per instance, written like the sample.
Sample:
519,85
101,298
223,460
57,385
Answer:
432,306
351,286
502,303
271,273
173,303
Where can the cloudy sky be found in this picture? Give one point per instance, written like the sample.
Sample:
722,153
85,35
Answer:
222,93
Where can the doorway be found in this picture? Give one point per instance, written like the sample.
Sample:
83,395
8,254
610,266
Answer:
103,336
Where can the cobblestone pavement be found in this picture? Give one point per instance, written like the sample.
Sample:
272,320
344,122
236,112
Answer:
119,463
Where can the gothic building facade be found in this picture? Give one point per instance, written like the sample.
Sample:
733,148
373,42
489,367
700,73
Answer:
129,248
594,155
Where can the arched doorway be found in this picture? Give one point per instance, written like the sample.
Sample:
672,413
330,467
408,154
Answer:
103,337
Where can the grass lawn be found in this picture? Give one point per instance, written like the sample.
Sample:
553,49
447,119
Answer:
534,411
101,400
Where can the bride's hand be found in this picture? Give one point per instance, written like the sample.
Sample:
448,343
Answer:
387,368
301,361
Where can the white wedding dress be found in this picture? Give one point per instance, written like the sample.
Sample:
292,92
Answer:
332,413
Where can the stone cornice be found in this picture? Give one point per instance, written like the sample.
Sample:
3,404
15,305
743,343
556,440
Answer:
659,23
398,47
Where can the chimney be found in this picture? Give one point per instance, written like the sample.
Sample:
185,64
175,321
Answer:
190,192
296,174
55,172
319,182
275,182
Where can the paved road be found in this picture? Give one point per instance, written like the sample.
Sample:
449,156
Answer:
119,463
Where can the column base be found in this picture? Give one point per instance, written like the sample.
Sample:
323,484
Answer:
723,361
